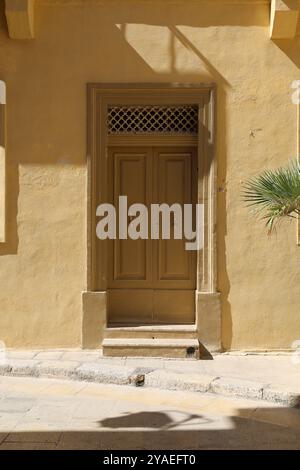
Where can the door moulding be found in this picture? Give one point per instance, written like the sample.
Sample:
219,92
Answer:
100,96
2,162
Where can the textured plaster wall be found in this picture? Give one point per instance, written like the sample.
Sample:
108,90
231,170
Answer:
43,262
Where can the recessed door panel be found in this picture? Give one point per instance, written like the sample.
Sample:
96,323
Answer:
151,281
174,265
127,306
131,258
174,306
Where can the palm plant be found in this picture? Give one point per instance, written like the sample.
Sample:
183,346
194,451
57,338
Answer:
275,194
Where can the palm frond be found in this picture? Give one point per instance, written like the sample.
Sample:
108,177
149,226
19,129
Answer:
275,193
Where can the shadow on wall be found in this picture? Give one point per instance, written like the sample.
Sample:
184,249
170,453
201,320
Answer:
290,47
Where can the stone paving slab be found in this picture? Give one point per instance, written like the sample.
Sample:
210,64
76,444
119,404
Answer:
274,379
34,437
176,381
28,446
103,373
283,395
49,355
228,386
58,369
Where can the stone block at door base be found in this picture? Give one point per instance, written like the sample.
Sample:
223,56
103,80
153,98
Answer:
209,320
93,319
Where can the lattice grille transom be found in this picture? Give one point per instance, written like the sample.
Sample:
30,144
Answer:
153,120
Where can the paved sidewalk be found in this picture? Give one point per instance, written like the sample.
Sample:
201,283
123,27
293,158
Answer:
59,414
273,378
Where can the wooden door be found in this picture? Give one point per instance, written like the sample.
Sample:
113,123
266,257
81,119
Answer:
153,280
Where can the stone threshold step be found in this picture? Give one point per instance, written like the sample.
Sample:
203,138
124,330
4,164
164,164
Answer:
151,347
170,332
188,328
150,342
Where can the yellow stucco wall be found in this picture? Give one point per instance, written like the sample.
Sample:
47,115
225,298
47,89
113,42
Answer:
43,262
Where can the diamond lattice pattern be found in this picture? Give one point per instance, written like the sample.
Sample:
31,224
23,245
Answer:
153,119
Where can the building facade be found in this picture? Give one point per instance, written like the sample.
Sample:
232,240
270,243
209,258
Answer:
163,101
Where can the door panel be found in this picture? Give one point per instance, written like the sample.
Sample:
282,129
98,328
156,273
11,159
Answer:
174,306
129,174
151,281
130,306
174,267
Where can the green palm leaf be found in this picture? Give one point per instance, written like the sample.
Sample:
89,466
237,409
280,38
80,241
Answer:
275,193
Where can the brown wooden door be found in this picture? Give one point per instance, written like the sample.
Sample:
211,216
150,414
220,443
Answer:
151,281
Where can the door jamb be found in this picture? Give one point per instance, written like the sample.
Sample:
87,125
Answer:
100,95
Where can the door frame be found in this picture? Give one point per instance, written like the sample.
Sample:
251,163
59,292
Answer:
100,96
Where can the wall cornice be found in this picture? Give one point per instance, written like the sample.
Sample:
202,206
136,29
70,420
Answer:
20,18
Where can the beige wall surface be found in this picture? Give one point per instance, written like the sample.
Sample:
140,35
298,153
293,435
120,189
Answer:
43,260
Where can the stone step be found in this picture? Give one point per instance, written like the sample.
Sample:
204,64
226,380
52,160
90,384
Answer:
149,347
152,332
